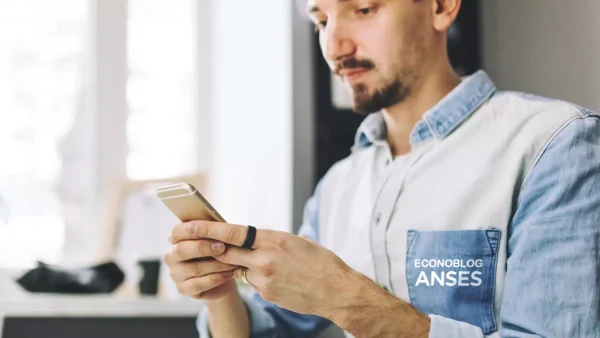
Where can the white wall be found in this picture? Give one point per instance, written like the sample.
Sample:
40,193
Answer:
547,47
252,140
204,70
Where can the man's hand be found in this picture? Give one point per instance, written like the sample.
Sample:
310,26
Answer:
299,275
290,271
195,272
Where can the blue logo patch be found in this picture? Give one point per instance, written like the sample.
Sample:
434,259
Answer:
453,274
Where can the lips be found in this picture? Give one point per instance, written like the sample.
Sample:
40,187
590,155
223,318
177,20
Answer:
354,74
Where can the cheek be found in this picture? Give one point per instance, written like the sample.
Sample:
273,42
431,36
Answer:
403,54
376,45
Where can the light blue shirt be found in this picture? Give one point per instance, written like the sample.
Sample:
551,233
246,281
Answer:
490,225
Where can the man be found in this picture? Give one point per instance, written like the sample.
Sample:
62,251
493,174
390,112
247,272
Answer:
462,211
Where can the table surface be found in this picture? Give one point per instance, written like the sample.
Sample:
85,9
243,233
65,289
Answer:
102,306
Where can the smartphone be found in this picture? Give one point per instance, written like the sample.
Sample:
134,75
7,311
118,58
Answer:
187,203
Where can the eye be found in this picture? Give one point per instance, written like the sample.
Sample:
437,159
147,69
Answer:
366,10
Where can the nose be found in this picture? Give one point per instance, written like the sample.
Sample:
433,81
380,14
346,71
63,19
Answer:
336,42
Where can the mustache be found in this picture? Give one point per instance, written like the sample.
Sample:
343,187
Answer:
352,63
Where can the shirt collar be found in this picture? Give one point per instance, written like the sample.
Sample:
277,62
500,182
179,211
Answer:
441,119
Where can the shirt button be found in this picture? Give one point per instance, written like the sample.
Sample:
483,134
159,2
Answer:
377,218
387,162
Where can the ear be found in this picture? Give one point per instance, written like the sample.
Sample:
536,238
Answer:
444,13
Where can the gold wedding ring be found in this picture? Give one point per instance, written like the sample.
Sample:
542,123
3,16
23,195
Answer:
243,275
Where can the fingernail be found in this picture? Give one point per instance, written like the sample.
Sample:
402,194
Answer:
218,247
190,227
227,273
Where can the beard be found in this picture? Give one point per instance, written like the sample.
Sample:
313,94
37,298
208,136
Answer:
365,102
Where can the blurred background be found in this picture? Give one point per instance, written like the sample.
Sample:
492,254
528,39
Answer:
101,101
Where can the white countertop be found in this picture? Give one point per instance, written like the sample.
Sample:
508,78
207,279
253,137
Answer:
16,302
48,306
97,306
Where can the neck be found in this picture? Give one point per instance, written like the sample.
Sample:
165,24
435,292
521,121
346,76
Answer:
401,118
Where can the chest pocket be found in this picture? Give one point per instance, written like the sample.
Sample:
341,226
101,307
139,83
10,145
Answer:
453,274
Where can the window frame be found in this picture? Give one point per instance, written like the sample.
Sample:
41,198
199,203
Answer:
104,120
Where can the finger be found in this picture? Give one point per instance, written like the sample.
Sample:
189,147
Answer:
224,232
186,270
195,287
190,249
238,256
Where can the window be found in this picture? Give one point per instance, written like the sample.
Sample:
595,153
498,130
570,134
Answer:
49,182
42,65
160,88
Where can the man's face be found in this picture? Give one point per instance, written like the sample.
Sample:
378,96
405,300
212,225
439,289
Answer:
376,47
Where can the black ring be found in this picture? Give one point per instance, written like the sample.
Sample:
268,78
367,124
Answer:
250,237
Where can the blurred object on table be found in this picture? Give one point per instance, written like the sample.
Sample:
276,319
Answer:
148,284
45,278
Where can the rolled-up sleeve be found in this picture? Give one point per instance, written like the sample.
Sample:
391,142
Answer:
268,320
553,271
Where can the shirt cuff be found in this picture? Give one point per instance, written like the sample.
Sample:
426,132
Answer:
260,321
202,323
442,327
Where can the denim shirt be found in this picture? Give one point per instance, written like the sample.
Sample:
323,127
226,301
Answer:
490,225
